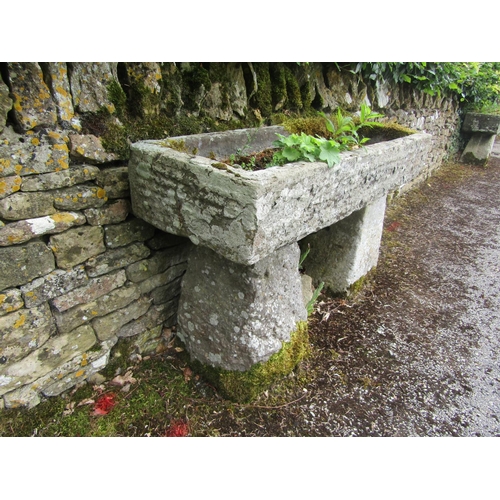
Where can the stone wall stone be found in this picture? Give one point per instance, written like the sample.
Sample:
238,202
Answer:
78,270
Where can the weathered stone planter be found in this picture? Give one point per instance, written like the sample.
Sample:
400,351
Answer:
241,297
484,129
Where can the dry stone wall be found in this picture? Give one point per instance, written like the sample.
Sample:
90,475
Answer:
78,271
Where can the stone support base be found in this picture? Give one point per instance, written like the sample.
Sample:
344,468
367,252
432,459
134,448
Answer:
232,316
343,253
478,149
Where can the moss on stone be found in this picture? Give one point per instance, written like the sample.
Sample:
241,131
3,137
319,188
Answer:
117,96
243,387
263,95
293,91
385,131
314,125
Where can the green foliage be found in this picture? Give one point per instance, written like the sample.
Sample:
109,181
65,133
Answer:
343,135
475,83
314,298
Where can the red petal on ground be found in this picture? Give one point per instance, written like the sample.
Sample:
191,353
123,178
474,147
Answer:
393,226
178,428
104,404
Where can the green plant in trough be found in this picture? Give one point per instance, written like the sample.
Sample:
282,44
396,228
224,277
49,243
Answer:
343,136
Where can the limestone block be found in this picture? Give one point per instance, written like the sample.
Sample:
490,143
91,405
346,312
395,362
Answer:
480,122
89,149
155,316
23,263
116,259
10,301
22,231
22,332
76,370
84,313
53,285
33,153
157,264
80,197
227,97
92,290
147,342
233,316
165,293
19,206
112,213
245,216
76,245
25,397
33,104
61,94
89,85
55,352
478,149
346,251
145,74
119,235
172,274
64,178
5,104
114,180
9,185
110,325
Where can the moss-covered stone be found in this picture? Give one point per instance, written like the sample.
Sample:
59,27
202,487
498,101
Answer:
245,386
263,95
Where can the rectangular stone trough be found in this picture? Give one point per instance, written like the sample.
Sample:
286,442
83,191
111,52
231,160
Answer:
241,296
483,129
245,216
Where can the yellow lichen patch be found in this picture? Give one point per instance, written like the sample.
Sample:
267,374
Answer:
61,91
61,147
79,373
101,194
80,150
4,164
17,104
2,298
63,217
84,360
35,141
64,165
14,239
20,322
54,135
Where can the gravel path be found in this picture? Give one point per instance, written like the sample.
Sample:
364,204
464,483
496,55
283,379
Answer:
417,354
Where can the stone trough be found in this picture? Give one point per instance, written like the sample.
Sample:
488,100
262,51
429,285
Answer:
242,295
482,129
